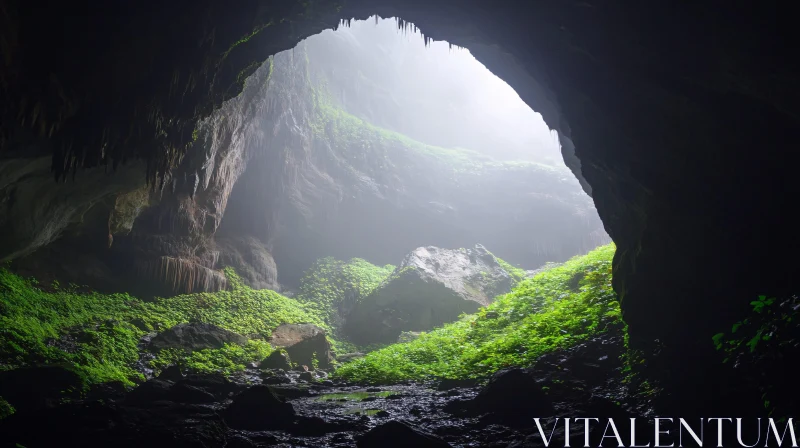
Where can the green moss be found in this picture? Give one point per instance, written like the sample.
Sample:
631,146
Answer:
539,315
5,408
518,274
330,287
99,333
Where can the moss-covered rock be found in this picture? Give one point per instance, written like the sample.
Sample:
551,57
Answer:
432,286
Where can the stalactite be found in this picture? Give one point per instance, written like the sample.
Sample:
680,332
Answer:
182,276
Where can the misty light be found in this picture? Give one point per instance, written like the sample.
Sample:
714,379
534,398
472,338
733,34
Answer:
469,106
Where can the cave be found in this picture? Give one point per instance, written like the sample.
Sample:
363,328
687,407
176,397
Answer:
674,118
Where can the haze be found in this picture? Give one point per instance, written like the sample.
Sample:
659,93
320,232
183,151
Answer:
436,94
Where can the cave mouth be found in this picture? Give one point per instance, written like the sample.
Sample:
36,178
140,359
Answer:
387,141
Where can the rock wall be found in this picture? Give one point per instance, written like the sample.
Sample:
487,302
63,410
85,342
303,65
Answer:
284,171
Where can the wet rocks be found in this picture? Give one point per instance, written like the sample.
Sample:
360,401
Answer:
258,408
510,393
432,286
195,336
276,360
511,389
396,434
304,343
449,383
307,376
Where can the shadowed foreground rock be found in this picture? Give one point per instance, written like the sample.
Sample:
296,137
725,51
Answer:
258,408
395,434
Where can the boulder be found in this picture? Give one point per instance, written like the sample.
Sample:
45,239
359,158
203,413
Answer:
276,360
303,343
34,388
258,408
512,394
171,373
195,336
396,434
431,287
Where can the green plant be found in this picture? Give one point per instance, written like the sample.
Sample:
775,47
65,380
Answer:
538,316
99,333
5,408
761,349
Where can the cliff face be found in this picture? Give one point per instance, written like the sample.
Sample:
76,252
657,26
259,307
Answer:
284,170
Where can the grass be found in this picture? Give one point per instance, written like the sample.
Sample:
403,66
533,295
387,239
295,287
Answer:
555,309
102,331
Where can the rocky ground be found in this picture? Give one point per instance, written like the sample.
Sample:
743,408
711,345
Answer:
273,407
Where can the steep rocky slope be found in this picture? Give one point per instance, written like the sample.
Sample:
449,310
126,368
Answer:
283,175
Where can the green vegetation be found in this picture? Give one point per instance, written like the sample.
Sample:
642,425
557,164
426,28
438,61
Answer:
539,315
761,348
518,274
367,146
332,285
5,408
99,333
330,288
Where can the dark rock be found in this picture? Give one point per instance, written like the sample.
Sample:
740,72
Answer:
185,393
276,360
277,379
415,410
149,392
447,383
291,390
382,414
304,343
258,408
171,373
216,384
369,399
432,286
307,376
112,390
395,434
33,388
239,441
395,396
374,389
96,425
513,391
327,383
195,336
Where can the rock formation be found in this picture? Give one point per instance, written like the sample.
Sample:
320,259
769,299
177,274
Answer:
305,344
681,137
276,180
432,286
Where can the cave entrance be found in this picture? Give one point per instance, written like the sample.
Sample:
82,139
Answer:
370,140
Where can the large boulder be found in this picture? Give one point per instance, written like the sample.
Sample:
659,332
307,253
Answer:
431,287
258,408
195,336
304,343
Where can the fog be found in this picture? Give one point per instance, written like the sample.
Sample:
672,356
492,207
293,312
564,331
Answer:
437,94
